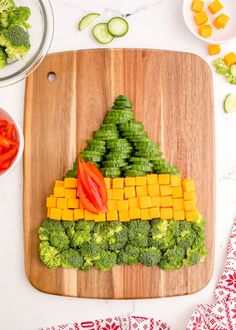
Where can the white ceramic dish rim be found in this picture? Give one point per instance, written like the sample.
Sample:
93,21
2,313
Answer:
207,40
18,157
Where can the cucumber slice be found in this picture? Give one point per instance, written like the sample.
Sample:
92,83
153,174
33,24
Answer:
118,26
230,103
87,20
101,33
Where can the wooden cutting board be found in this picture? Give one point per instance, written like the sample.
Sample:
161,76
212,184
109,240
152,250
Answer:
172,94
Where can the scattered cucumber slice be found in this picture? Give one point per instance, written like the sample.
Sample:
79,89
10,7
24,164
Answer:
118,26
101,33
230,103
87,20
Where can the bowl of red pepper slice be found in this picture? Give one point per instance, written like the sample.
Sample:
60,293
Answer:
11,143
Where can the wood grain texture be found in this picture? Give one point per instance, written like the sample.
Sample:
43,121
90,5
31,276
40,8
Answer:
172,94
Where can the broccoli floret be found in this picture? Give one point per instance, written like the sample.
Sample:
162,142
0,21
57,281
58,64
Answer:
138,233
90,251
187,235
220,66
172,258
59,240
231,75
84,225
162,234
49,255
6,5
3,58
43,234
71,259
52,225
195,255
19,16
68,224
150,256
106,261
16,41
81,233
119,238
129,255
100,235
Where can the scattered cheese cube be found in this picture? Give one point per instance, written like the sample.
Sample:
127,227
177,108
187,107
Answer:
73,203
118,183
112,205
100,217
164,179
230,59
188,185
55,213
178,203
175,180
155,212
165,190
88,215
129,181
133,202
51,201
129,192
201,18
189,205
112,216
59,191
214,49
70,193
153,190
118,194
124,215
192,215
78,214
134,213
197,6
59,183
155,201
122,205
166,213
205,31
145,214
62,203
141,191
177,192
67,215
188,195
140,181
144,202
166,201
215,6
70,183
152,179
107,182
179,215
221,21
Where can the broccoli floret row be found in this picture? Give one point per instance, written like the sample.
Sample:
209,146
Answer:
86,244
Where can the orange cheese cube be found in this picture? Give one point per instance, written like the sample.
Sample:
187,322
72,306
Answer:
107,182
129,181
205,31
215,6
178,203
164,179
221,21
73,203
109,193
118,183
145,214
166,213
67,215
88,216
134,213
100,217
141,191
133,202
188,185
214,49
197,6
51,201
177,192
153,190
165,190
175,180
189,205
112,216
230,59
70,183
144,202
188,195
192,215
155,201
111,205
59,191
62,203
166,201
152,179
140,181
155,212
179,215
70,193
78,214
118,194
201,18
55,213
124,215
130,192
122,205
59,183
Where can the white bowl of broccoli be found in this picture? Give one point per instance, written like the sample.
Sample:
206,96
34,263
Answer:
26,31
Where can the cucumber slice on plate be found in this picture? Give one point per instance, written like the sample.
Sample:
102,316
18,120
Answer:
118,26
230,103
101,33
87,20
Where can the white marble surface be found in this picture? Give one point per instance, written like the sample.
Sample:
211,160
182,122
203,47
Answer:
154,24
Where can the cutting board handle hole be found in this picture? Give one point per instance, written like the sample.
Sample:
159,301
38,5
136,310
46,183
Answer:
52,76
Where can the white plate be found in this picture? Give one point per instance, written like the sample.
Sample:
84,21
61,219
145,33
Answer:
218,36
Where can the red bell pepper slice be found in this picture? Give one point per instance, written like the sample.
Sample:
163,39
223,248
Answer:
9,131
8,155
87,205
6,143
3,123
96,193
5,166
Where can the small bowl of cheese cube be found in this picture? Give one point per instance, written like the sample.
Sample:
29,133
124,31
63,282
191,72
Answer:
213,21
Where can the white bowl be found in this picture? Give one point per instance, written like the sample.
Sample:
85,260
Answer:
218,36
20,138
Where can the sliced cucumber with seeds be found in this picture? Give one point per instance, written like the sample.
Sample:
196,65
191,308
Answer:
230,103
118,26
87,20
101,33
